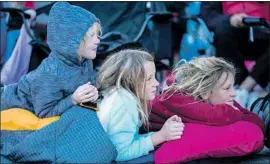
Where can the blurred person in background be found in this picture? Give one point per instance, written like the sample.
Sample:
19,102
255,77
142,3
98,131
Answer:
232,41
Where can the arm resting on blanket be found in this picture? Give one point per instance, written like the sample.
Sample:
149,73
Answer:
192,111
48,97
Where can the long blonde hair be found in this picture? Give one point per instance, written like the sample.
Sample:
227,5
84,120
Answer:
199,76
125,69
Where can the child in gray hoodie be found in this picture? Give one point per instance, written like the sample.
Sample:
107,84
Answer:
66,77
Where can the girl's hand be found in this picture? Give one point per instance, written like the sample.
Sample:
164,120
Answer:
85,93
172,129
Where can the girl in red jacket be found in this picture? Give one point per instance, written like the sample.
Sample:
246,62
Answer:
201,91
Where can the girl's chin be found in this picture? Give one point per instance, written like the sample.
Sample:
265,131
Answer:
151,97
229,103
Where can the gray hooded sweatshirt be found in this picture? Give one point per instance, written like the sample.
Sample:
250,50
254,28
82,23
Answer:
47,90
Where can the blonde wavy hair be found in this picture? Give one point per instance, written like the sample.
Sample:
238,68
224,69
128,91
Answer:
199,76
125,69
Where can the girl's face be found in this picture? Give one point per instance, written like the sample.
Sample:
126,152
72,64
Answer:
224,92
151,81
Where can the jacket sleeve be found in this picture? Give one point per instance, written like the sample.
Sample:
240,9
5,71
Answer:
9,99
250,116
48,96
212,14
124,135
16,95
192,111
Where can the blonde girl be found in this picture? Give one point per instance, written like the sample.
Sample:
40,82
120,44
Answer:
126,81
201,91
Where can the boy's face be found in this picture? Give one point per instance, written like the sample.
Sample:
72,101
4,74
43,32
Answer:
151,81
88,48
224,92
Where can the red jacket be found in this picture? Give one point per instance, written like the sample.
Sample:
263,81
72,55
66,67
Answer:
256,9
192,111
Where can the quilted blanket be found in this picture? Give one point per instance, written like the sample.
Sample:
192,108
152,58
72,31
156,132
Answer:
77,137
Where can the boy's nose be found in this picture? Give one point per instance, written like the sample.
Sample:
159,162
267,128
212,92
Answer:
97,41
